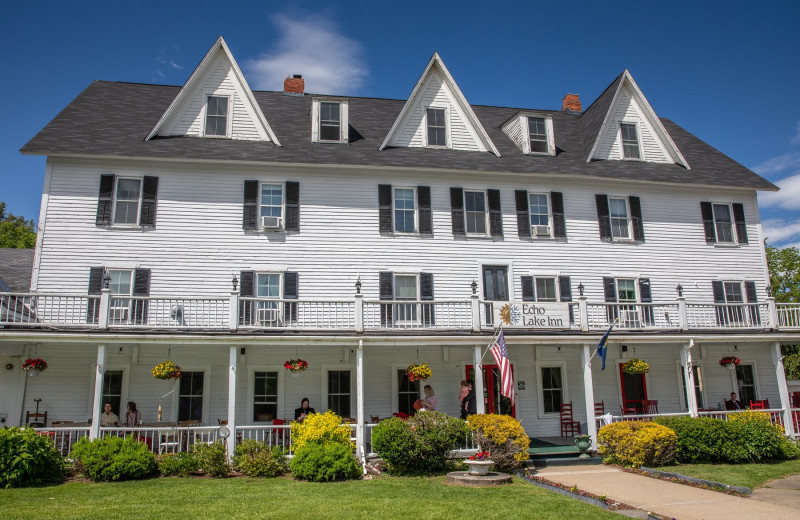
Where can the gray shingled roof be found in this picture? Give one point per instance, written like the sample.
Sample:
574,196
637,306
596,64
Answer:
15,269
113,119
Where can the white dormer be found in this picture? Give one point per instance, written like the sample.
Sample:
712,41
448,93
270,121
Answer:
329,120
532,132
632,131
215,102
437,115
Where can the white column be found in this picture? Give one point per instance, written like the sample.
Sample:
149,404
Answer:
774,320
783,390
475,305
234,365
359,308
688,376
583,311
94,431
588,389
105,308
478,387
233,319
683,313
361,452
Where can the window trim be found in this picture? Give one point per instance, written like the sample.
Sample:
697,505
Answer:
413,189
395,367
485,194
338,367
635,125
628,218
126,368
556,288
417,310
228,118
251,387
277,299
701,371
549,137
549,215
259,205
316,120
173,413
121,296
734,238
756,385
540,388
446,110
114,199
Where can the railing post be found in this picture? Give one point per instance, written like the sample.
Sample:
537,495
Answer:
359,309
478,386
360,437
688,376
774,321
100,370
683,315
588,389
105,307
783,390
476,313
233,321
583,310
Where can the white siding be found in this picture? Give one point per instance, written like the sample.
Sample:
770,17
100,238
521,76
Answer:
513,129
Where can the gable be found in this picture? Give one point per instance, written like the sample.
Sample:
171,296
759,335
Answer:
217,75
436,89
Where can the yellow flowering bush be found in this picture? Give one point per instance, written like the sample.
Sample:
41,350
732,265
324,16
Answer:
636,366
321,428
503,437
418,372
637,444
756,416
167,370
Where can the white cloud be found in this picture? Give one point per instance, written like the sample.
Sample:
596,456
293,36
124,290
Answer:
778,230
787,198
796,138
330,62
175,65
779,163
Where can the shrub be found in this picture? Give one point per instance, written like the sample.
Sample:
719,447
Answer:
211,459
325,462
503,437
637,444
258,459
113,458
321,428
27,458
177,464
419,445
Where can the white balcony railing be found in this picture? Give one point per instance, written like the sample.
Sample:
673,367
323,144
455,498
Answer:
64,310
150,312
264,313
398,314
788,316
728,316
637,316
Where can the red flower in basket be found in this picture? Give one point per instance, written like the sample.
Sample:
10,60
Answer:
38,364
482,455
296,365
729,361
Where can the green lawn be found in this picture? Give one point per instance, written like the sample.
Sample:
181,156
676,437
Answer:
749,475
382,498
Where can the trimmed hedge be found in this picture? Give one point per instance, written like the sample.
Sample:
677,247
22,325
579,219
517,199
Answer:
637,444
113,458
503,437
212,459
259,459
28,459
177,464
325,462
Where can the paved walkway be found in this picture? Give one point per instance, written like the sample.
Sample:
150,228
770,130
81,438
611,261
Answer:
779,500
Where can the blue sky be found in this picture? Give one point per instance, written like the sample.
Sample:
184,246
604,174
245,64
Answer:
726,71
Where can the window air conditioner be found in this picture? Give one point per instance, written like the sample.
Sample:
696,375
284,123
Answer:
542,230
270,222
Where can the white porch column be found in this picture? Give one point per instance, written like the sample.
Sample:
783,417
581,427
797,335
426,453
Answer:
588,389
361,452
478,387
688,376
783,390
234,365
233,318
94,430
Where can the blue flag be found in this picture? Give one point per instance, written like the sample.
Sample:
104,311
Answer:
602,348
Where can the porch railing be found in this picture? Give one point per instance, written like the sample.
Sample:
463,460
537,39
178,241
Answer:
634,316
788,316
263,313
728,316
183,313
399,314
65,310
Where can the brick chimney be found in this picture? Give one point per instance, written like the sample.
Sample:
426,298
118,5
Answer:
571,102
294,85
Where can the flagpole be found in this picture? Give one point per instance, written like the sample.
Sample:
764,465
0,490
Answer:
494,338
598,346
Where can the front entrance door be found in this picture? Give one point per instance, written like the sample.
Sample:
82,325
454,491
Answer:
495,288
9,381
634,391
493,402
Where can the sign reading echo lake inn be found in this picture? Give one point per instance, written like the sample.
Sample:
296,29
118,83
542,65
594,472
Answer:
532,315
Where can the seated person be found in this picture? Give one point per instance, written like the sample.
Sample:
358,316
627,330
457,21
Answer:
734,403
301,413
108,417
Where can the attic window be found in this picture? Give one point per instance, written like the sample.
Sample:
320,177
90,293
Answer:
630,141
437,128
537,129
329,122
217,116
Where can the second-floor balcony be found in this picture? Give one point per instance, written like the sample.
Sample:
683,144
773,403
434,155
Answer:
249,314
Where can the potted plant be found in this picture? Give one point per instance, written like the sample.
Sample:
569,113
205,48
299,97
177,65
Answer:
295,366
584,443
730,362
167,370
479,463
418,372
34,365
636,366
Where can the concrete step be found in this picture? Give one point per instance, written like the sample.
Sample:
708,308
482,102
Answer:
547,462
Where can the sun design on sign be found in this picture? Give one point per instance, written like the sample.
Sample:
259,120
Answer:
510,314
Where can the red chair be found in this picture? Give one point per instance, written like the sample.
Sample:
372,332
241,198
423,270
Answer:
401,415
599,408
279,434
756,405
569,426
650,407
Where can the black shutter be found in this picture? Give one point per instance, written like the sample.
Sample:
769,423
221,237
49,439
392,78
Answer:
565,288
290,291
523,215
646,296
610,290
557,206
527,289
141,287
250,209
147,215
603,217
719,297
426,295
292,206
385,208
495,214
386,288
741,226
425,214
457,211
636,218
247,289
95,286
708,222
104,200
751,296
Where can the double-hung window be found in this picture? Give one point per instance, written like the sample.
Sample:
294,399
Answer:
217,116
746,383
190,396
126,201
271,205
723,223
404,210
537,133
437,126
539,208
121,286
618,211
552,389
475,212
265,396
734,297
626,294
330,121
339,392
546,289
268,287
112,390
406,288
630,141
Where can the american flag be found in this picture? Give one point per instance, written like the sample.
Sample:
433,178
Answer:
500,353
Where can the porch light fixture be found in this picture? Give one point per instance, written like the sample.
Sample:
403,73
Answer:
106,280
358,285
474,286
679,288
769,291
581,288
234,282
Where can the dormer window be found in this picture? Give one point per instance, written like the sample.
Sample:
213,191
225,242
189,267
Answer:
329,120
217,116
537,129
437,127
630,141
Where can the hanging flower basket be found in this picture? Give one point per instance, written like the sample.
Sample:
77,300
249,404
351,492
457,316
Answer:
636,366
34,365
167,370
730,362
296,365
418,372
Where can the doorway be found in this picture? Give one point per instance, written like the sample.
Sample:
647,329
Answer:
493,401
495,288
9,386
634,391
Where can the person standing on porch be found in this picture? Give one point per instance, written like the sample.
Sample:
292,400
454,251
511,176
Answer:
108,417
468,405
464,391
133,417
301,413
429,403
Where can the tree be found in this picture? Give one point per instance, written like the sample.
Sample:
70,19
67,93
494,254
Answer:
784,277
16,232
